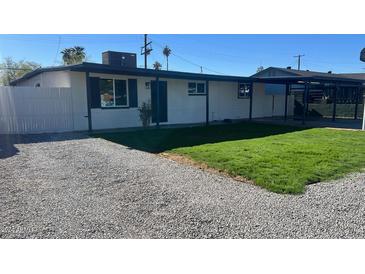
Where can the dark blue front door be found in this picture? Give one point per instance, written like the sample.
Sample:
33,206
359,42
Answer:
162,101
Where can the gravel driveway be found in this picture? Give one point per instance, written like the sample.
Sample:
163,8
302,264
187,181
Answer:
68,186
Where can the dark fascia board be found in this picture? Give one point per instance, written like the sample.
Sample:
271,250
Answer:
107,69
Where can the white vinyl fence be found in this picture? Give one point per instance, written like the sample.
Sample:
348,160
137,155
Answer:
35,110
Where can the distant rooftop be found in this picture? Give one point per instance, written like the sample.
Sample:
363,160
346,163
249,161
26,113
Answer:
289,73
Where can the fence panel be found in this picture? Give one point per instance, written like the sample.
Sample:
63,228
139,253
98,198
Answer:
35,110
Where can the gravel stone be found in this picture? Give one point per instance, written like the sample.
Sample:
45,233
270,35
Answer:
72,186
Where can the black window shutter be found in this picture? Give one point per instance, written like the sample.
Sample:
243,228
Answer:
132,90
95,92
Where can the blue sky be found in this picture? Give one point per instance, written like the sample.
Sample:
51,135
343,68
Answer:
226,54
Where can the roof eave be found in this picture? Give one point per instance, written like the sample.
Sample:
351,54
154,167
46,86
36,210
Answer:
98,68
39,71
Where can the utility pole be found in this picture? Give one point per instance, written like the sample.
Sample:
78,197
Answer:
146,50
299,56
145,47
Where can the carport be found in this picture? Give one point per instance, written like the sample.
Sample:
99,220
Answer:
321,97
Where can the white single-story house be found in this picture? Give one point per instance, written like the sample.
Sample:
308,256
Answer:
108,95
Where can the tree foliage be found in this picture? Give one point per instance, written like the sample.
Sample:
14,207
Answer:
157,65
362,55
11,69
73,55
260,68
167,51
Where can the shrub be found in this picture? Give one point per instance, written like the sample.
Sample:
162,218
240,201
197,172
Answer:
145,114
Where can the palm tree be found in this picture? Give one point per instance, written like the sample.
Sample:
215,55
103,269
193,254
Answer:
167,52
157,65
260,68
67,56
79,54
362,55
74,55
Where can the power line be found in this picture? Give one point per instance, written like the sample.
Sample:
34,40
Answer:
186,60
58,49
10,68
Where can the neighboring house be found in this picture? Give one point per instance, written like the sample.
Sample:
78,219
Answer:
110,94
107,95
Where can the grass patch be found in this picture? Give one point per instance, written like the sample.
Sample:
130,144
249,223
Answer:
282,159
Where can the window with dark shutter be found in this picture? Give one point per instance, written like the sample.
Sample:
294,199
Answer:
120,93
95,92
113,93
133,93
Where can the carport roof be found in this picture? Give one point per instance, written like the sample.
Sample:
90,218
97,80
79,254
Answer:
301,79
286,75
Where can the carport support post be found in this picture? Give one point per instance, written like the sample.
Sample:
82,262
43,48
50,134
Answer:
88,98
286,101
334,103
158,102
207,103
305,101
251,94
356,102
363,114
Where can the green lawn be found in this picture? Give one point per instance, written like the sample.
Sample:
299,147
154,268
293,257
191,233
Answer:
282,159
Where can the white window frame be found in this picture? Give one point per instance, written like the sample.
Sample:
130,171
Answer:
114,101
247,94
196,88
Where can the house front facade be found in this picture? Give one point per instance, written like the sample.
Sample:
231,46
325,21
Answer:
107,96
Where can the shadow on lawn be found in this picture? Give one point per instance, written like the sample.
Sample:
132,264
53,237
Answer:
160,140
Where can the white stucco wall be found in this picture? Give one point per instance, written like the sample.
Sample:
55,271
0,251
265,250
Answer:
59,79
182,108
224,102
262,104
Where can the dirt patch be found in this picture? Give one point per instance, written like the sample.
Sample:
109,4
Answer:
188,161
346,129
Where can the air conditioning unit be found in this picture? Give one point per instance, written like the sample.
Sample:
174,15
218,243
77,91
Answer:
120,59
